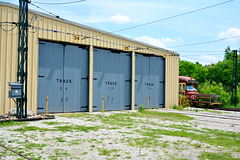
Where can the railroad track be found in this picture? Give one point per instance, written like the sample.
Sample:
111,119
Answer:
233,117
213,116
229,109
223,109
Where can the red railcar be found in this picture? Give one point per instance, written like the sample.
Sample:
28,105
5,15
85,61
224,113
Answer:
188,88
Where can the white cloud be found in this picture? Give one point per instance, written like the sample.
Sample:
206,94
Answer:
161,42
231,32
120,19
208,57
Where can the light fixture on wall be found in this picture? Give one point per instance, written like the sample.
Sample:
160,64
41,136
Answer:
34,18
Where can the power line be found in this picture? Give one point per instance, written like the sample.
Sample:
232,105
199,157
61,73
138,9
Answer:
82,37
152,21
199,51
238,44
196,59
192,44
45,10
71,2
144,24
8,24
204,54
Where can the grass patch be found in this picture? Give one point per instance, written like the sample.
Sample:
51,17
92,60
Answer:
218,156
75,142
162,115
120,119
67,128
11,123
125,120
212,111
55,123
71,128
61,152
217,138
61,139
32,128
106,152
76,115
145,142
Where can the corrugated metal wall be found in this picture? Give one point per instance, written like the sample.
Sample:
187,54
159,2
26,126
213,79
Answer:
172,73
8,52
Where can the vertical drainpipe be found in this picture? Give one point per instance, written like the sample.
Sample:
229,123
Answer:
133,80
90,79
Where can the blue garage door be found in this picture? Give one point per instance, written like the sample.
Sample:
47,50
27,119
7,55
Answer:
149,81
112,72
63,77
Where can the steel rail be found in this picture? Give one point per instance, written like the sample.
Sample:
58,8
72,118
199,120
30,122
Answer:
20,154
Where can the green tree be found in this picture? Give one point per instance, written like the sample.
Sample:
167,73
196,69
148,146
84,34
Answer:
189,69
221,73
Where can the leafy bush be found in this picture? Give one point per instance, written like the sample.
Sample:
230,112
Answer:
184,102
215,88
140,108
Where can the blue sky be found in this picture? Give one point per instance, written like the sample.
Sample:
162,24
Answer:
211,24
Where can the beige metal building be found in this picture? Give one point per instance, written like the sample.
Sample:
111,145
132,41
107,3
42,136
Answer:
51,31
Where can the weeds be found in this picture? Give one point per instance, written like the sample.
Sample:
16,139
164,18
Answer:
55,123
106,152
140,108
11,123
32,128
218,156
162,116
225,139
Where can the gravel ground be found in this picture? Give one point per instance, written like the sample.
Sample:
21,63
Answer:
95,136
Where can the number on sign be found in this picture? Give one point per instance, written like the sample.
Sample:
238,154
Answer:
126,48
76,38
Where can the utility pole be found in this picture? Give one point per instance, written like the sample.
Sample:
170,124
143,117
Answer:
22,57
234,79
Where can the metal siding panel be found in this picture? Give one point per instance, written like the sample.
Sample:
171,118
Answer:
50,75
138,80
76,79
126,70
153,85
72,79
84,79
172,80
109,75
117,81
97,80
55,76
8,57
162,82
43,85
145,80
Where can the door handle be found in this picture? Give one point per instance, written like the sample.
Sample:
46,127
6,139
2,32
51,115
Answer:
66,98
66,88
60,88
62,99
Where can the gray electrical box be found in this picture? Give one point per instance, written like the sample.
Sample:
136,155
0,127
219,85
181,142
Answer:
15,90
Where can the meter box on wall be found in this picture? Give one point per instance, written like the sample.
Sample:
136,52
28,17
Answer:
15,90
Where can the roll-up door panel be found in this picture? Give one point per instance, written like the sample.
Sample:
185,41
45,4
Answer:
50,77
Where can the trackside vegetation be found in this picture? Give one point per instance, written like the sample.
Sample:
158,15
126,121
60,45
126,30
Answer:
214,79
